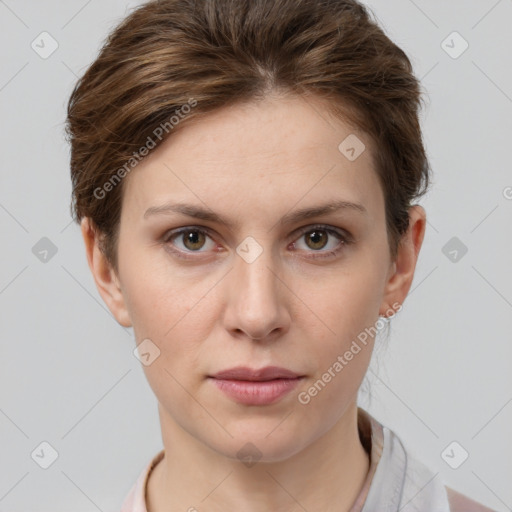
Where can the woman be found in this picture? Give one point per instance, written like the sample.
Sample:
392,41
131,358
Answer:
244,174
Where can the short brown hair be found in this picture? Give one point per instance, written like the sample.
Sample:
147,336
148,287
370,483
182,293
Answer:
167,53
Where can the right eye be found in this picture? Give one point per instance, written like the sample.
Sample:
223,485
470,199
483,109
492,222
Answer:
189,240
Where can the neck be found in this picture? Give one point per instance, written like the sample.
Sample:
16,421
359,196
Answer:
326,475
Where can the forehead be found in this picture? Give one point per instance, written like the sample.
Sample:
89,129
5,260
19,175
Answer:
272,153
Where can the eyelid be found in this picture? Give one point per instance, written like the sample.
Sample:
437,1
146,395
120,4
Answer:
172,233
299,231
342,233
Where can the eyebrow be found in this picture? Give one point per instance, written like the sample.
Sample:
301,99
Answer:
199,212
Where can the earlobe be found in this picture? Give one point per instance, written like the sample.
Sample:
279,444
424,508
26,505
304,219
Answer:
107,282
402,269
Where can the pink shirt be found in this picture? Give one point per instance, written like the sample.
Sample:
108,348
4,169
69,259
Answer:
395,481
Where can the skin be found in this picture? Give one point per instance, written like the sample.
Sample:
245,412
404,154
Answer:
253,163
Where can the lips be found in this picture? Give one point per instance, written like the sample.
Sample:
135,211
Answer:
259,387
249,374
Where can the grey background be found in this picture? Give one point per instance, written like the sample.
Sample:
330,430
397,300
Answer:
68,373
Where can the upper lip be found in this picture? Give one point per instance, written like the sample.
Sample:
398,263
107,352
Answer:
262,374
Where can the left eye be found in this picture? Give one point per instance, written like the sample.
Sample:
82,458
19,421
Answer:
319,238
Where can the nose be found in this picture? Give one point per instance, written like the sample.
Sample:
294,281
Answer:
256,306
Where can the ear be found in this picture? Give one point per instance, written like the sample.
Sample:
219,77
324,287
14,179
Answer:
401,272
104,275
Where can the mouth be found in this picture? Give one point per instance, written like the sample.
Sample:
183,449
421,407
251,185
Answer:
255,375
249,386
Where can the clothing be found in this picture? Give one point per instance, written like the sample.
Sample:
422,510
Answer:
396,481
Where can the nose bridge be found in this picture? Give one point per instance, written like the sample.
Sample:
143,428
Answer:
252,270
256,305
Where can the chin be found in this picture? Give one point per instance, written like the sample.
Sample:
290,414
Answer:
265,440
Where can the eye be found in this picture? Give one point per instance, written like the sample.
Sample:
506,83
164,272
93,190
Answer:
321,239
189,239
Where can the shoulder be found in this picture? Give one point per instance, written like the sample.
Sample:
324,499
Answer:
461,503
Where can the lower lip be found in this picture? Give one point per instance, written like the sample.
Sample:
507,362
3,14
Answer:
256,392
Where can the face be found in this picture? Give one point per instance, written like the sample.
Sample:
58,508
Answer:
242,277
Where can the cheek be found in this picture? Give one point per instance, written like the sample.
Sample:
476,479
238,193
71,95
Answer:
159,297
177,323
346,302
177,314
348,306
342,361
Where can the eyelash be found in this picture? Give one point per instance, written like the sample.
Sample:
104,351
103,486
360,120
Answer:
344,238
